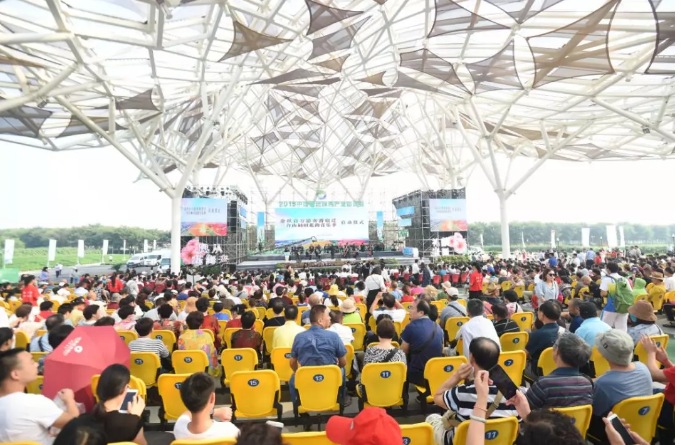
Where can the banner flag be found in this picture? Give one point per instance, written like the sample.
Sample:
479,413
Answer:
553,239
81,248
105,247
154,246
52,250
622,236
146,246
9,251
586,233
611,235
522,239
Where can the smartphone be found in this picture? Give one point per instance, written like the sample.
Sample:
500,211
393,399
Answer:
503,382
619,427
129,397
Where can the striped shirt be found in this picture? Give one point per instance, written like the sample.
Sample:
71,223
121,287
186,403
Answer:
462,398
562,388
146,344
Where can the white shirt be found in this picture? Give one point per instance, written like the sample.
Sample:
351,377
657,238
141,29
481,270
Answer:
133,288
4,319
63,292
415,268
219,430
669,284
27,418
153,314
374,282
479,326
344,332
81,292
396,314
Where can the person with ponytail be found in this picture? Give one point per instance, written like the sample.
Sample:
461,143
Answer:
111,389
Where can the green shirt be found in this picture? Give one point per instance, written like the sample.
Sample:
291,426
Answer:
353,318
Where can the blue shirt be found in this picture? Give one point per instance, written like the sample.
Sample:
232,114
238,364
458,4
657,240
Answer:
317,347
553,261
615,386
42,340
182,296
591,255
539,340
576,323
417,333
590,328
221,317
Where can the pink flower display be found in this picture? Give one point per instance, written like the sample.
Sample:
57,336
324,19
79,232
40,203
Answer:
191,250
459,246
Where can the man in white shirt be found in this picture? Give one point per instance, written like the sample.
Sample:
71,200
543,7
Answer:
344,332
669,282
478,326
80,291
198,395
415,269
133,286
390,307
28,417
610,316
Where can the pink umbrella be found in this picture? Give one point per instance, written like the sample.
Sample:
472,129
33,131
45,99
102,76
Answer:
87,351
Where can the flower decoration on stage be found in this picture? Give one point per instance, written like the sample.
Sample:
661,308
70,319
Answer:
193,252
456,242
204,229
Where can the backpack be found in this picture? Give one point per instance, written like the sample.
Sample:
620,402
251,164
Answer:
623,295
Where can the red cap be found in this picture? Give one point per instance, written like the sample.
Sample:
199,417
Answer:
373,426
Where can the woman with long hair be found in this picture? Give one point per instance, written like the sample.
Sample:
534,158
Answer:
111,390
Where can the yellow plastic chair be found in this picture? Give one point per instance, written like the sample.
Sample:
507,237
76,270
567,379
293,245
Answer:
268,337
189,362
167,337
127,336
311,438
436,372
598,363
358,333
235,360
349,359
375,343
514,341
135,383
520,291
223,325
640,352
453,325
222,441
21,340
497,432
14,305
259,326
384,385
506,285
580,415
38,355
513,363
256,394
40,332
641,413
227,336
280,359
418,433
36,386
372,323
145,366
524,320
670,297
362,310
261,312
546,365
398,328
169,390
318,389
439,304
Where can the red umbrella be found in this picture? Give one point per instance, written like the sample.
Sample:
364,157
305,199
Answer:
87,351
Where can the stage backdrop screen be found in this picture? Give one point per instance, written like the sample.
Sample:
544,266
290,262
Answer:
448,215
204,217
345,224
405,211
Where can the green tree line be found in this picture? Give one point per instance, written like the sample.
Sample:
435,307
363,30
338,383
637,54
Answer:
93,235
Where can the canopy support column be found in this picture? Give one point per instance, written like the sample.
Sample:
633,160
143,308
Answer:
175,231
504,226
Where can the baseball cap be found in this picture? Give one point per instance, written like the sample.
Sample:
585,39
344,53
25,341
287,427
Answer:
373,426
615,346
452,291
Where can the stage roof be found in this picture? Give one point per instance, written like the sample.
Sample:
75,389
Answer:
323,90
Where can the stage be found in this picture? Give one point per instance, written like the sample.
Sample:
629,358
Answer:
269,262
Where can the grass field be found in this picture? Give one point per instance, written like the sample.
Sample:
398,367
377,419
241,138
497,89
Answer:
36,258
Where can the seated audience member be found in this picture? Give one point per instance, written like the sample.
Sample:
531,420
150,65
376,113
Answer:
591,325
502,323
198,395
65,311
624,380
144,342
41,343
111,389
259,434
78,306
195,338
544,337
422,340
284,335
91,314
166,322
511,301
462,399
237,311
127,316
45,310
219,315
153,313
384,352
665,423
565,386
209,321
82,430
642,321
105,321
115,302
316,347
277,306
390,307
573,314
344,332
28,417
188,308
23,320
350,313
454,307
7,339
478,326
314,300
57,336
657,290
247,336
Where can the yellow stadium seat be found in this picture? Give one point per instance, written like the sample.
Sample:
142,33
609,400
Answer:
417,434
40,332
362,310
135,383
514,364
530,288
256,394
21,340
453,325
234,360
223,325
280,359
375,343
182,304
319,389
358,333
259,326
398,328
642,297
546,365
497,432
167,337
269,313
169,390
524,320
38,355
261,312
439,304
640,352
149,304
36,386
514,341
127,336
384,385
408,306
670,297
580,415
227,336
641,414
506,285
268,337
598,363
189,362
14,305
311,438
349,359
437,371
145,366
520,291
372,323
221,441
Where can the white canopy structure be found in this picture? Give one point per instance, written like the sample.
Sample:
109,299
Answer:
322,90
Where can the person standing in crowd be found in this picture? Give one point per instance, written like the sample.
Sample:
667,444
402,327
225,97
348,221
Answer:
30,292
421,340
374,284
502,323
544,337
547,288
576,320
475,279
57,269
592,325
478,326
665,423
656,291
642,318
44,275
610,316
